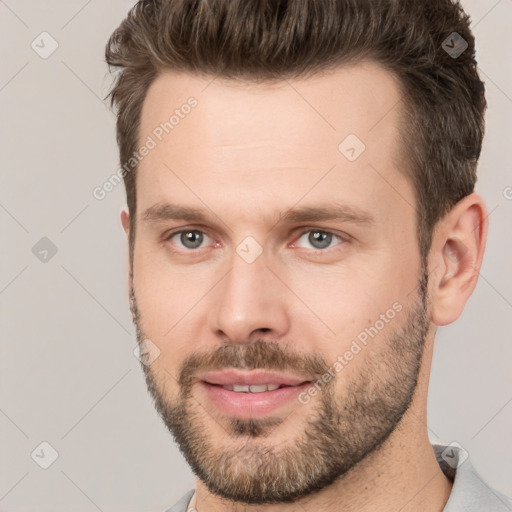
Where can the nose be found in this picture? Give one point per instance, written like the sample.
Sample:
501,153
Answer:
249,301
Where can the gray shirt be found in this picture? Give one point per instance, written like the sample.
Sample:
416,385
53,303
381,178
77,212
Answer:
469,492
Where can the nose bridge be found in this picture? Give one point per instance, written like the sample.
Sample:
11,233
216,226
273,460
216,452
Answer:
249,298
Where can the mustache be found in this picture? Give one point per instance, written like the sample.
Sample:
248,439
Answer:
260,355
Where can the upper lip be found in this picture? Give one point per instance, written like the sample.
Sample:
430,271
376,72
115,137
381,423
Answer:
231,377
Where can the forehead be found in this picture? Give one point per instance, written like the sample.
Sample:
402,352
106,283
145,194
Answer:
210,134
349,99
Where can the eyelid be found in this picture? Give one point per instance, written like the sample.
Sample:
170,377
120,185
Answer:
166,237
344,237
299,232
340,234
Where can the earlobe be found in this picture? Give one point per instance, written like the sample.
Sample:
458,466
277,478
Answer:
457,255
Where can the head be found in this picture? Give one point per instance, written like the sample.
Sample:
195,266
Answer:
309,211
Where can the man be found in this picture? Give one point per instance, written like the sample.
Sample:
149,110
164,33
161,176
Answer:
301,217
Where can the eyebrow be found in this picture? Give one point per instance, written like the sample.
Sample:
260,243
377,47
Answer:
167,211
336,212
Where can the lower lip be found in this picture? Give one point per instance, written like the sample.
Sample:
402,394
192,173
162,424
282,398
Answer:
250,405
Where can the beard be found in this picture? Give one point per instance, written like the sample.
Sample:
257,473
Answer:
344,426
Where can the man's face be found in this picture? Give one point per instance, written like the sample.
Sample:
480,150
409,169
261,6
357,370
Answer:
263,283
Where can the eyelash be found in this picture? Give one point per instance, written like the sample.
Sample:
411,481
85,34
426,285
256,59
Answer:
343,238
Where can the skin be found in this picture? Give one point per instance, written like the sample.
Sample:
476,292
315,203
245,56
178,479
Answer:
246,155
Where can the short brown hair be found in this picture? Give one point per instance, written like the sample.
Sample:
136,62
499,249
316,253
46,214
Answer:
271,40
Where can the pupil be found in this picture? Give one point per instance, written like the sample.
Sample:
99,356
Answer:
191,239
319,239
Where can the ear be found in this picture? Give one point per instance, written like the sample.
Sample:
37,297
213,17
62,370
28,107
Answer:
125,221
455,258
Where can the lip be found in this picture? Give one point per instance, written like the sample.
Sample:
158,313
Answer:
230,377
250,405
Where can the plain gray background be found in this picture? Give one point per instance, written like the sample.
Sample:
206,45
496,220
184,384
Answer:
68,374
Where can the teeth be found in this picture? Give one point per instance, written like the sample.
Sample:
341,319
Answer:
258,389
241,388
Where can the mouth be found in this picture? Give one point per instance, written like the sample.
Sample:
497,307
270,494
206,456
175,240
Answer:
249,395
255,388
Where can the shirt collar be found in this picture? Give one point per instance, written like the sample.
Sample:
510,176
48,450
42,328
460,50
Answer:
469,492
192,504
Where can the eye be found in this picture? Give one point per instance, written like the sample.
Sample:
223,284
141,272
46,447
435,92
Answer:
189,238
319,239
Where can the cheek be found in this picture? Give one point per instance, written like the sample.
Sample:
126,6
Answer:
157,277
161,295
173,302
357,305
